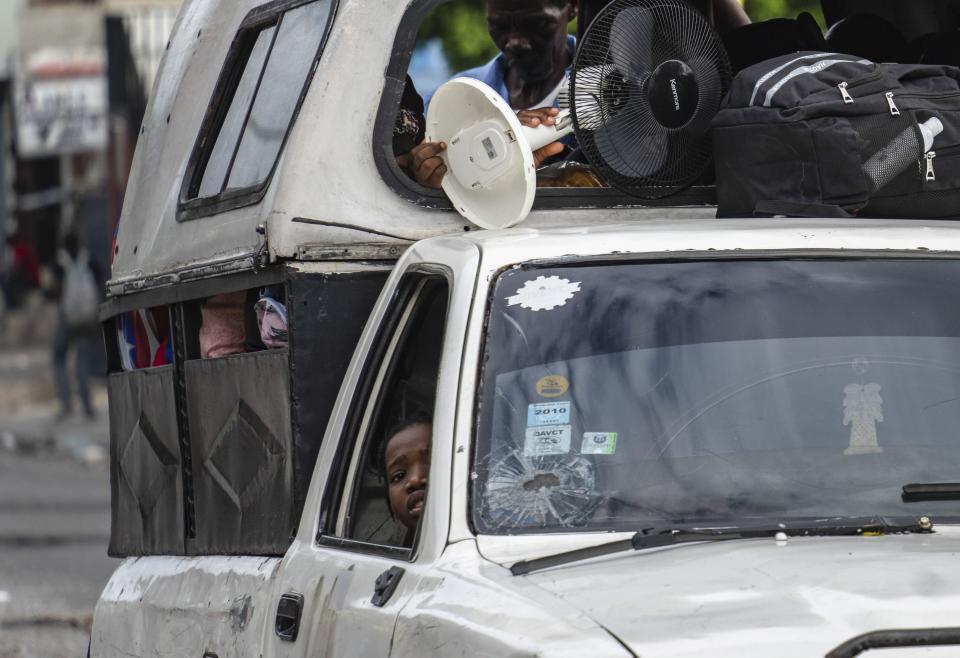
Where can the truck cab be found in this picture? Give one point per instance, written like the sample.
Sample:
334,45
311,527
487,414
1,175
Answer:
648,431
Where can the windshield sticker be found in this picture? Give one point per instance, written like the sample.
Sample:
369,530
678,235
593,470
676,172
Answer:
862,410
542,441
598,443
544,293
548,413
537,492
552,386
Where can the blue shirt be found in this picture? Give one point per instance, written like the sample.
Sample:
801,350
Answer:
493,74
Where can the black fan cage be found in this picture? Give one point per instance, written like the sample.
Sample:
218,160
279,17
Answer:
609,95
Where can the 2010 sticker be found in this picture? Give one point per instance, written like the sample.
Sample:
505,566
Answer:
552,386
543,441
548,413
598,443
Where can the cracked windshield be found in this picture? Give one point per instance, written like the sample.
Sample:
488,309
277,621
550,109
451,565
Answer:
617,396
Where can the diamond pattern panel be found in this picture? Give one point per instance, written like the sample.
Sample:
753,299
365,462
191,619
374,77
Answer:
241,457
147,465
239,413
146,489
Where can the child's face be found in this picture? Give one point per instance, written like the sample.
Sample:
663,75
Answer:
407,460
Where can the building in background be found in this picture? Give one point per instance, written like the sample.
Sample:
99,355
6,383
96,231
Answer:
8,42
74,79
148,24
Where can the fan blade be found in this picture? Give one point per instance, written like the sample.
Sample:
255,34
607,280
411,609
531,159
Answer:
638,156
589,97
710,86
631,42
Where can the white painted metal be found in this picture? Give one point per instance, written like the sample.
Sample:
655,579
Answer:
180,606
802,597
753,597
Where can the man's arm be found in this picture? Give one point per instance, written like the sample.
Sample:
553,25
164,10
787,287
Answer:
427,168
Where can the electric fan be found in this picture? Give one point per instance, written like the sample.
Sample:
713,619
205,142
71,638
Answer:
661,72
648,78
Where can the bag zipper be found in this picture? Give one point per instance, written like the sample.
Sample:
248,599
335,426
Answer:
818,59
847,98
894,110
845,86
930,175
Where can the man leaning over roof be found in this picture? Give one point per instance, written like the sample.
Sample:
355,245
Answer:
536,53
535,57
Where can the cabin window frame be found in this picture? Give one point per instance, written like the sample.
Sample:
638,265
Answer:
547,198
357,434
190,205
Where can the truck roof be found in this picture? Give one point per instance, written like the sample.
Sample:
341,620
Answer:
657,236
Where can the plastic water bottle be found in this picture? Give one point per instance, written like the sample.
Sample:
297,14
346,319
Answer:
902,151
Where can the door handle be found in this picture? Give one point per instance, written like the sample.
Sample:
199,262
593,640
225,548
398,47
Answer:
385,586
288,616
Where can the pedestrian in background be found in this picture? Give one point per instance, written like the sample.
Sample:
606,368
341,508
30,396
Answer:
77,326
22,273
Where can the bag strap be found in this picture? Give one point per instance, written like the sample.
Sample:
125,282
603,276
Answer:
793,209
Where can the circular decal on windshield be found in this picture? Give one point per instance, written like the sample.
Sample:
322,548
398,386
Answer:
544,293
552,386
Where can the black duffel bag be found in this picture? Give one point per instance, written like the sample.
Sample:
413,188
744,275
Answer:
815,134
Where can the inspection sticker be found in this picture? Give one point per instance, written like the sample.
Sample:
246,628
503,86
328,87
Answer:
548,413
552,386
547,441
598,443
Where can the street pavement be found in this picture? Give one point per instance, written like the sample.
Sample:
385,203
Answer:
54,515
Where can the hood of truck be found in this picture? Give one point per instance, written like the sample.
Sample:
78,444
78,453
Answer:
802,597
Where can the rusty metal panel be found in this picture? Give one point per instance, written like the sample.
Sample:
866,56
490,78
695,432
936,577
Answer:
145,477
241,444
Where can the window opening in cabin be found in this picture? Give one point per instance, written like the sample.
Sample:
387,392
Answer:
239,322
144,338
494,42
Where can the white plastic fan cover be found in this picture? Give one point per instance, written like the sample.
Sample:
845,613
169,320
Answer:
491,178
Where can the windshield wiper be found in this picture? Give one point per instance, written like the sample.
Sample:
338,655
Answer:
659,536
913,493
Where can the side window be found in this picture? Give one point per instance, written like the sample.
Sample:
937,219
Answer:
381,494
255,103
139,339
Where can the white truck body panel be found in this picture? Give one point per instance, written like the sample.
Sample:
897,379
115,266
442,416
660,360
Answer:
798,598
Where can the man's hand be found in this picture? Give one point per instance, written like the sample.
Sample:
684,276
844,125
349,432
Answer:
427,168
425,164
541,116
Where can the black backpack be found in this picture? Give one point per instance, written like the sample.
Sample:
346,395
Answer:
815,134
